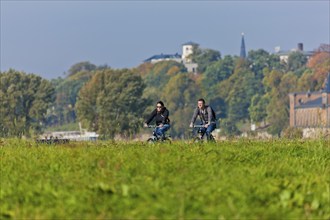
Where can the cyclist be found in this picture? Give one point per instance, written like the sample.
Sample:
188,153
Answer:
160,114
207,117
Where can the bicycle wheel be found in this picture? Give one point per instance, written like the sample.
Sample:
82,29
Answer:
151,141
197,140
167,140
212,139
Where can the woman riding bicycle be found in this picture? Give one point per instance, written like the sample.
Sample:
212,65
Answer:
160,114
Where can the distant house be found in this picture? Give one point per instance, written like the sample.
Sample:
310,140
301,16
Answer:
81,135
70,135
284,54
185,58
311,109
164,57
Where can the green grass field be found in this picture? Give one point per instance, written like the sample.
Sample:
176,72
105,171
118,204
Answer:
241,179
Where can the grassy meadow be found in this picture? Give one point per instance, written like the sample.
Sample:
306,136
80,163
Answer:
237,179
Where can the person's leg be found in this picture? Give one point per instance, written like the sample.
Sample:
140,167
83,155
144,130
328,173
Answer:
163,129
158,132
209,130
202,131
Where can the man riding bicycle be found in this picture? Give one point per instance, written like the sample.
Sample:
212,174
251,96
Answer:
160,114
207,117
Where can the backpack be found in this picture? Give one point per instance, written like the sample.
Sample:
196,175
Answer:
213,114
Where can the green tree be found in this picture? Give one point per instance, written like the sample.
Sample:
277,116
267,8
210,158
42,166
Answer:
66,96
261,59
278,107
161,72
180,96
204,57
242,86
297,63
257,109
307,82
110,103
81,67
25,99
229,128
156,76
215,73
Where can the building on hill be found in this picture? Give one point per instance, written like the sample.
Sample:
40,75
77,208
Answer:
311,109
284,54
185,58
187,51
164,57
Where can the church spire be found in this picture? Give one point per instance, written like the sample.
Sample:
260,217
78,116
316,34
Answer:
243,54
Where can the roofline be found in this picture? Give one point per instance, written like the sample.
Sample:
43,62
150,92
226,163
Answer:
304,93
312,106
190,43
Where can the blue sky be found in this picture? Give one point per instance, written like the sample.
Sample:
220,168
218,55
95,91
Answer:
47,37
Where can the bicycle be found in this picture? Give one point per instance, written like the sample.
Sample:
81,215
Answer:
155,138
200,136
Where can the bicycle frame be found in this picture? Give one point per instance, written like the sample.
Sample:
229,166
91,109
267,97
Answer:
197,131
200,134
155,137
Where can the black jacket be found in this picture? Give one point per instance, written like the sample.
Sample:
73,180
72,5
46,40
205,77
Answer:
160,117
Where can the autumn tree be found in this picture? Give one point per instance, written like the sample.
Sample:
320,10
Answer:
307,82
157,76
319,63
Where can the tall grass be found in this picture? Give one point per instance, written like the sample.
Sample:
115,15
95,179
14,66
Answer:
241,179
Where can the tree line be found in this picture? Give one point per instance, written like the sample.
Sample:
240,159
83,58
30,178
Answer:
116,101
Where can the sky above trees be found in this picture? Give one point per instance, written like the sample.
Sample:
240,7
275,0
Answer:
47,37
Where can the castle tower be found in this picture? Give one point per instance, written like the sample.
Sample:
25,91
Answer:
187,51
243,53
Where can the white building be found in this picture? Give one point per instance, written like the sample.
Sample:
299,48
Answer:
185,58
284,54
187,51
70,135
164,57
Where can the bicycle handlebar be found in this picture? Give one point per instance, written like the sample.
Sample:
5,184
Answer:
198,126
152,126
194,126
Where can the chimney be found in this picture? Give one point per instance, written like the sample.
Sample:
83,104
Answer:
300,47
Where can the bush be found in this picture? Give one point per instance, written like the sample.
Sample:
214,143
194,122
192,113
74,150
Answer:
292,133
